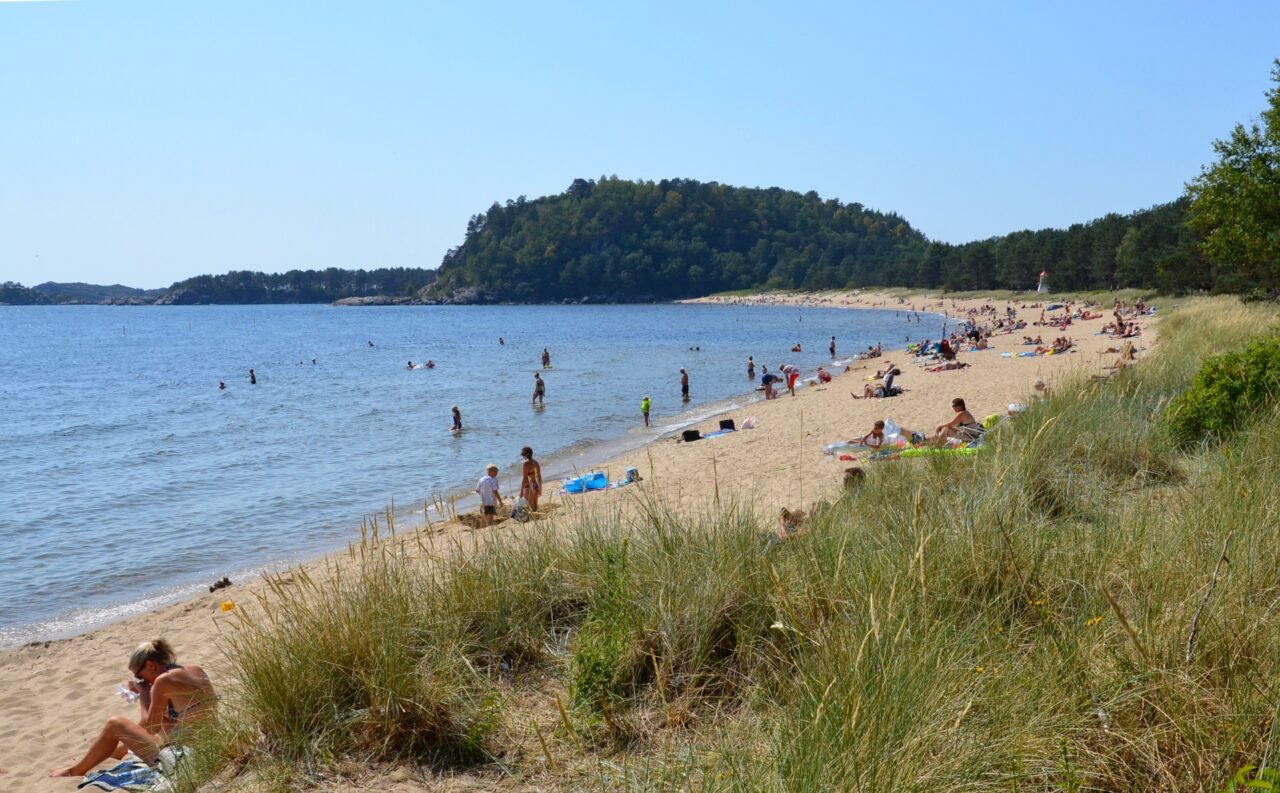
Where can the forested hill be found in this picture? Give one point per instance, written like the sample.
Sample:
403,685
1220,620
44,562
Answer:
624,241
78,292
298,286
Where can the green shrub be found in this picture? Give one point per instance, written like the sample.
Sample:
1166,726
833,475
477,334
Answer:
1229,390
600,676
360,665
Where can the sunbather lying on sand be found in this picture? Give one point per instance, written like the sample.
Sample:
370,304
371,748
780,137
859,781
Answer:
169,695
878,390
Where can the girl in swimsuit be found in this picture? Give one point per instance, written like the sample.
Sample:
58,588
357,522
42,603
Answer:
169,695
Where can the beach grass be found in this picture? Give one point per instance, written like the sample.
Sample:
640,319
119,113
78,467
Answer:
1087,605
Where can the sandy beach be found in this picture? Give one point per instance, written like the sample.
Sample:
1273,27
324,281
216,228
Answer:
56,695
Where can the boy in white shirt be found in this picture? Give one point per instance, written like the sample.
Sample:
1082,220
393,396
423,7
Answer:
490,498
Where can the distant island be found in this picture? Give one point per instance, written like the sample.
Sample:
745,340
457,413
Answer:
390,285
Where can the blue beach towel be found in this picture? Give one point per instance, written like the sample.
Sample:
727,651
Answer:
129,775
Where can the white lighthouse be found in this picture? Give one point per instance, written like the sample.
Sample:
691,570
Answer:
1044,281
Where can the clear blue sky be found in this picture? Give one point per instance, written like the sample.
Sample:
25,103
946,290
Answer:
146,142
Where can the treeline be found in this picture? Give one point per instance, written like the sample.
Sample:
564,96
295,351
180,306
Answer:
236,287
620,240
1152,248
78,292
13,293
297,286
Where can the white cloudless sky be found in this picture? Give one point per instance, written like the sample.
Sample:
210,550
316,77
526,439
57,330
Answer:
147,142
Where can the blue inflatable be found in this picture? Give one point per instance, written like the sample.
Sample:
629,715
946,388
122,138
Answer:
596,480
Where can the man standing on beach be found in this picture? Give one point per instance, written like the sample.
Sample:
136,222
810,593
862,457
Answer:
684,386
644,409
490,498
832,347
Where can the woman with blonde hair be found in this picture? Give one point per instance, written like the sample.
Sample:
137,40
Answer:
170,696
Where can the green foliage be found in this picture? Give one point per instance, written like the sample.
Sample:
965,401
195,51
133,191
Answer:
1229,391
1235,202
297,286
599,678
1251,777
360,666
15,294
639,241
94,293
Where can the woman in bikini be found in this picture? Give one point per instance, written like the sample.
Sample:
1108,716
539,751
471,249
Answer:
170,696
530,479
962,426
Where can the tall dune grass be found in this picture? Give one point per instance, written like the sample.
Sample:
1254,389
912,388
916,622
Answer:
1053,614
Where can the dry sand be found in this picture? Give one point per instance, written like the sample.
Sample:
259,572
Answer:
56,695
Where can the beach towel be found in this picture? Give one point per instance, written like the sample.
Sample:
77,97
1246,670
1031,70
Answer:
128,775
596,480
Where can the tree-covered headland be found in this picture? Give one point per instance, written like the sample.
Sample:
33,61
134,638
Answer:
618,240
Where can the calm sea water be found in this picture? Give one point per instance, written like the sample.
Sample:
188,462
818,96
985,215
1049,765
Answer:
128,479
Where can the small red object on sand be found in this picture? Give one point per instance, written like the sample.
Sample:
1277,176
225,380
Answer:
844,458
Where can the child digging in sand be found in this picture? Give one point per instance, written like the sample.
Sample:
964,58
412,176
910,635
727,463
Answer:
490,498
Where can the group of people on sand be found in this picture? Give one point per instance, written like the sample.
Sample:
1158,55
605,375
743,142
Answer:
962,427
490,491
790,374
1060,345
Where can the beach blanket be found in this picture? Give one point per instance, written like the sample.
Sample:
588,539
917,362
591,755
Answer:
128,775
596,480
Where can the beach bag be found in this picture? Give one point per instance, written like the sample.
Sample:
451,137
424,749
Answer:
520,510
726,424
691,435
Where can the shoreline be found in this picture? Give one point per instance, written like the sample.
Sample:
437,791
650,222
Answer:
583,454
777,464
